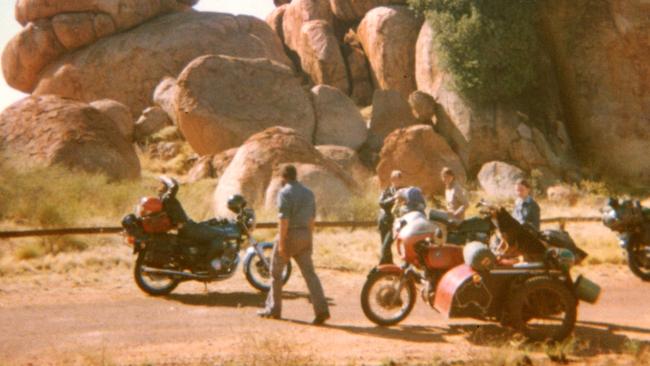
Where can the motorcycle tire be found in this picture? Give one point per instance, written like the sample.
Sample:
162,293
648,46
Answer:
144,284
638,268
534,296
255,260
366,293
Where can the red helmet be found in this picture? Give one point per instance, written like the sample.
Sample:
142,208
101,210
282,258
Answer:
149,206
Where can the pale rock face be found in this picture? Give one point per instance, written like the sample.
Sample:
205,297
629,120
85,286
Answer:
338,120
348,160
54,27
275,20
259,160
390,111
423,106
163,97
221,101
152,120
498,179
49,130
420,154
128,66
119,113
388,36
299,12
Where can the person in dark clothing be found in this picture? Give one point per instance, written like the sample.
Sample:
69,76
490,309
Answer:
187,228
386,218
526,211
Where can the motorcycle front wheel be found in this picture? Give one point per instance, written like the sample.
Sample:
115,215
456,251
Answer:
638,260
387,298
258,270
152,284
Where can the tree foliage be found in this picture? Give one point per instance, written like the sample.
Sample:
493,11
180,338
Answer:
490,47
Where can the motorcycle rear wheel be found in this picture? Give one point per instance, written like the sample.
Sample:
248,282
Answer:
543,309
381,287
638,261
149,282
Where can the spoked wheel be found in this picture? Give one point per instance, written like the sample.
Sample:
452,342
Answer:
638,259
387,298
258,270
152,284
543,309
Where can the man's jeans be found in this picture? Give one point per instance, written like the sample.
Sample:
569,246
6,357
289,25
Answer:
304,262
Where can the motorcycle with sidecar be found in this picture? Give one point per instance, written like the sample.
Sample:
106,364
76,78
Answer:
537,296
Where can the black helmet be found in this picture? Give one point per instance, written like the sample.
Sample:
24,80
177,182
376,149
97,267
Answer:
236,203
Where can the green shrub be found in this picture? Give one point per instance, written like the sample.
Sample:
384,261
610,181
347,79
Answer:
490,47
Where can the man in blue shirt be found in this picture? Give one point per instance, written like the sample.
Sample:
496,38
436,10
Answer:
297,211
526,211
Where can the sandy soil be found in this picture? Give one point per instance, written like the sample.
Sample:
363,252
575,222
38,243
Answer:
103,318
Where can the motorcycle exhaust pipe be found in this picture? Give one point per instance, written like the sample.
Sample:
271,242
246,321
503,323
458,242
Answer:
169,272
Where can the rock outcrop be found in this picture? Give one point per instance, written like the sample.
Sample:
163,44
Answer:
119,113
338,120
211,166
49,130
152,120
258,161
388,36
320,55
53,28
423,106
420,154
353,10
348,160
390,111
221,101
128,66
601,51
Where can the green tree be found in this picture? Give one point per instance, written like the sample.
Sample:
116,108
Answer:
490,47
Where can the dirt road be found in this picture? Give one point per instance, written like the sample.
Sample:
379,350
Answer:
103,318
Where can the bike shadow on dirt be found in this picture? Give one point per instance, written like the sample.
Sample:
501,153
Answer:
590,338
237,299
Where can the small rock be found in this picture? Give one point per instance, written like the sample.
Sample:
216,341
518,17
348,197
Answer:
152,120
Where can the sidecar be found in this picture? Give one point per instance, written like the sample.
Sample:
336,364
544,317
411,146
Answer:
533,298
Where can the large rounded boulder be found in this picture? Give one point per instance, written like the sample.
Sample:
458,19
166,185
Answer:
388,35
353,10
338,120
52,28
221,101
498,179
49,130
128,66
420,154
258,161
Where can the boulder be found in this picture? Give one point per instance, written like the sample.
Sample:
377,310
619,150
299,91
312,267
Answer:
128,66
210,166
601,56
163,97
498,179
361,88
390,111
338,120
423,106
119,113
152,120
275,18
52,27
353,10
221,101
49,130
320,55
420,154
258,160
348,160
299,12
388,36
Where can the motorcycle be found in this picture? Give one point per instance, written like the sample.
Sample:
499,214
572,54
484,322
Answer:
164,259
478,228
632,222
473,282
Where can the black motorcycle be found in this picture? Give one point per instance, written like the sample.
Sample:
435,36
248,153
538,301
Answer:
632,222
478,228
164,259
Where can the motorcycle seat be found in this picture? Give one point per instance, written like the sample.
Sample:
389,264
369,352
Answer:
529,265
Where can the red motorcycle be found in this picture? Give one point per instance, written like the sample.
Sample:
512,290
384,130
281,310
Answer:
537,297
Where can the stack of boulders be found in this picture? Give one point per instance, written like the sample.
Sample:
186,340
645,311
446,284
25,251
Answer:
249,95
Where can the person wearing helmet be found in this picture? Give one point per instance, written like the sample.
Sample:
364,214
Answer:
189,229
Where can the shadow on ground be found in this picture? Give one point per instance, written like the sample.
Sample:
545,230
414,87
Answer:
236,299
